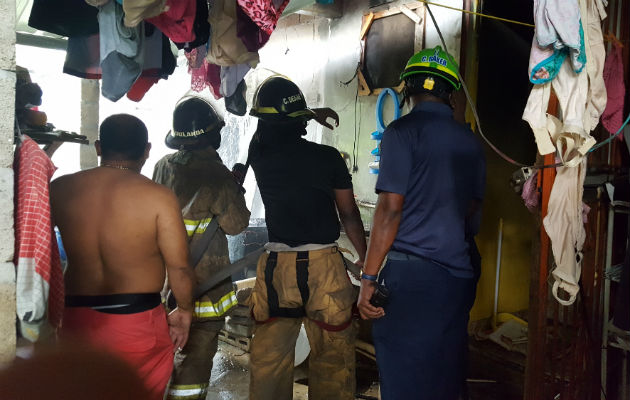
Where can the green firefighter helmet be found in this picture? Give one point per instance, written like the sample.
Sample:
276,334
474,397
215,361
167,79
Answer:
435,62
279,100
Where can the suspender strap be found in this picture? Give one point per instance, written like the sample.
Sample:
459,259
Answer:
301,272
301,266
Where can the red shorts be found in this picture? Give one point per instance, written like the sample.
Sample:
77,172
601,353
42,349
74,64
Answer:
142,339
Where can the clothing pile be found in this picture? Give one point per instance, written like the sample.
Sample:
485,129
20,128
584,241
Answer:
567,56
127,43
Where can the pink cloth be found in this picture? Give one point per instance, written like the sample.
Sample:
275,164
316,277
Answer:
265,13
612,118
39,281
530,193
203,74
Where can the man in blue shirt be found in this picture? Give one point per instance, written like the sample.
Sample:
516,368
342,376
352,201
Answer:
430,187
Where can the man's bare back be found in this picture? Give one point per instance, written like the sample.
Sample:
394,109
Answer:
119,230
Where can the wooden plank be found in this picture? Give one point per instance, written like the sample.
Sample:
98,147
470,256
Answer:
367,23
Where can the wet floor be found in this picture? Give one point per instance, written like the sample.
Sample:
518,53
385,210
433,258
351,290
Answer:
230,377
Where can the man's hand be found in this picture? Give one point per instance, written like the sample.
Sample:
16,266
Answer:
322,115
367,310
178,326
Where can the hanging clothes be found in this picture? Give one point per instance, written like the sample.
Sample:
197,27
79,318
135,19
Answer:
225,47
250,34
177,21
39,279
231,78
201,28
64,17
612,118
559,34
122,52
265,13
565,226
138,10
151,76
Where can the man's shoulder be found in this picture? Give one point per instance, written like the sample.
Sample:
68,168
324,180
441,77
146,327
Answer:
320,149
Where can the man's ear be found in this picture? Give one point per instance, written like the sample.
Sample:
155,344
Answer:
97,146
147,150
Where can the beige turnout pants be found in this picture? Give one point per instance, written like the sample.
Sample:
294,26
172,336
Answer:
193,364
326,316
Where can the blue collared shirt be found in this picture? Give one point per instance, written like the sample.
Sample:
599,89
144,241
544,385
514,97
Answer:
438,165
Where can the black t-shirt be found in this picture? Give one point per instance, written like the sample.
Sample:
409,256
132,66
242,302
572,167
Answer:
297,179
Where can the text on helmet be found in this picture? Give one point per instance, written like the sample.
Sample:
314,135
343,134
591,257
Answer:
435,58
291,99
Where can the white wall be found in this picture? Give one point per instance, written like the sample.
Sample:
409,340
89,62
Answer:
7,112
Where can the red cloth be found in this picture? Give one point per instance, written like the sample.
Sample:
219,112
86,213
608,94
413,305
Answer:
141,339
178,21
612,118
39,281
264,12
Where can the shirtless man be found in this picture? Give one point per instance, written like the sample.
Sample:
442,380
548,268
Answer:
120,231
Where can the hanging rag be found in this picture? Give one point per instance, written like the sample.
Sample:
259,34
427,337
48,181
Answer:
236,103
530,192
231,78
593,13
39,279
559,34
265,13
565,226
250,34
177,21
138,10
201,28
225,47
64,17
121,51
612,118
151,76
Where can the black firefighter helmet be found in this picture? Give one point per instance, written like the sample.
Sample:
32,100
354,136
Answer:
279,100
195,124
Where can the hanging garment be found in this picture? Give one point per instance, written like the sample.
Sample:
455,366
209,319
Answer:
595,54
250,34
559,34
177,21
236,103
572,91
64,17
612,118
201,28
265,13
231,78
565,226
530,192
207,75
151,76
122,52
138,10
39,280
225,47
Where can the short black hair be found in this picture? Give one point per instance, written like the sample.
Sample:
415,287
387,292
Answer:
123,137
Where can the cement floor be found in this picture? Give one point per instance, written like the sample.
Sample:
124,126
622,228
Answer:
495,375
230,377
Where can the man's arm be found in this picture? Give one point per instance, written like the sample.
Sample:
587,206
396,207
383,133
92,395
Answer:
171,238
386,221
351,220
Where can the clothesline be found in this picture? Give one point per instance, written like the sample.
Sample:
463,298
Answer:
478,14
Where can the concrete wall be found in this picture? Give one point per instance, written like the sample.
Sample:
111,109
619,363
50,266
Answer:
7,112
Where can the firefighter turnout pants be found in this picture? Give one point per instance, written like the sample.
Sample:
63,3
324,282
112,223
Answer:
310,287
193,364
